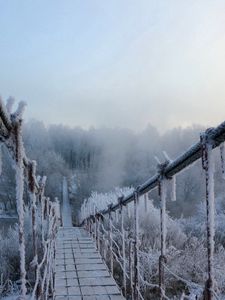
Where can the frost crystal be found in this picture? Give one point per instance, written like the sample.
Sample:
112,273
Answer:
20,110
173,189
9,105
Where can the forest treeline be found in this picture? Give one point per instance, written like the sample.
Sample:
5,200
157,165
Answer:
102,159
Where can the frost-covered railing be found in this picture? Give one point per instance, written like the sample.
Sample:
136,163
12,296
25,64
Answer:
127,254
40,206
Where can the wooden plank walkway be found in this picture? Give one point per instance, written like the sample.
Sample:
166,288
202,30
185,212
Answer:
66,209
80,273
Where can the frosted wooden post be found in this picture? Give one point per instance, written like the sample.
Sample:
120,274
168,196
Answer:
98,217
95,225
89,225
136,244
96,230
92,223
208,166
162,258
128,211
120,200
131,268
105,248
222,158
110,239
20,203
31,182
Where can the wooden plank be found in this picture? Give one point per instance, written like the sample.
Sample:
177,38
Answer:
80,273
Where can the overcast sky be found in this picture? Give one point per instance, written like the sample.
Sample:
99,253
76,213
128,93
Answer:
118,63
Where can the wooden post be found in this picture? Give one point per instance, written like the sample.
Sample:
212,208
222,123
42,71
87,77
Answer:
111,242
208,166
131,267
136,244
162,258
95,229
123,250
31,178
105,247
98,219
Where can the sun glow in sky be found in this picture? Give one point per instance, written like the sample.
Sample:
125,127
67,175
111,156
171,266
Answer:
119,63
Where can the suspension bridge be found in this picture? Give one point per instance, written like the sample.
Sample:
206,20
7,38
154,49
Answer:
80,262
80,272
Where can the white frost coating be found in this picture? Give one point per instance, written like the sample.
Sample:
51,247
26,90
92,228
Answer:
157,160
34,262
20,110
43,181
101,201
20,210
211,204
163,215
9,104
129,210
137,231
49,245
173,196
42,219
173,189
222,158
167,156
123,249
38,273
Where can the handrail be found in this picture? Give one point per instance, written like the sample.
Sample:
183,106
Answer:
167,170
11,137
217,135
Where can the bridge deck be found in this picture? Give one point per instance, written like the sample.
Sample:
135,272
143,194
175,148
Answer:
80,273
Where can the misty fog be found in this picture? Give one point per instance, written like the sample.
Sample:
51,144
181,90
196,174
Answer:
100,159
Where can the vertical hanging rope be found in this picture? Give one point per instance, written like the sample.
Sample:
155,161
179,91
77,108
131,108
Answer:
32,171
11,136
208,166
